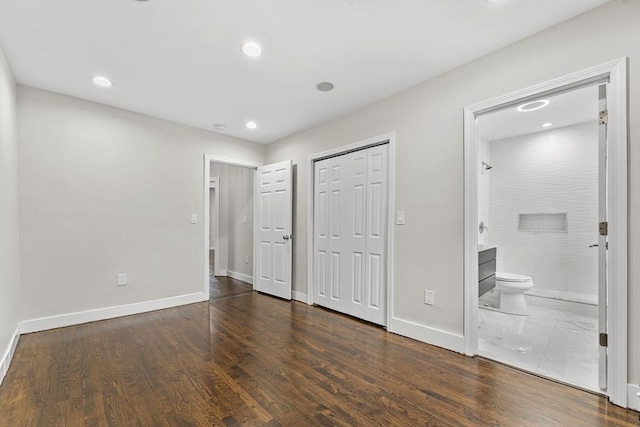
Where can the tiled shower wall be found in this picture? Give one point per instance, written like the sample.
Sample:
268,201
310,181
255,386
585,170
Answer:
547,172
484,178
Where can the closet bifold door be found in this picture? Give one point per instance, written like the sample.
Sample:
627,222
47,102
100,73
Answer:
330,204
350,231
376,234
356,233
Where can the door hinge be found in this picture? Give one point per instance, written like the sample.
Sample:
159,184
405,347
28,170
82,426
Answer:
604,339
604,228
604,117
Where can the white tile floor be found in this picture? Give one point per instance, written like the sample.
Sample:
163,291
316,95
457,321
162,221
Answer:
552,343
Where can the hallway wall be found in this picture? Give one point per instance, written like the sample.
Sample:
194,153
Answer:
236,218
10,292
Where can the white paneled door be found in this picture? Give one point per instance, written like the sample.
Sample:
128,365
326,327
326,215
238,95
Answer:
350,232
376,234
273,240
329,224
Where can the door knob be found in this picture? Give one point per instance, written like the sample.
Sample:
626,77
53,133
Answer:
593,246
287,237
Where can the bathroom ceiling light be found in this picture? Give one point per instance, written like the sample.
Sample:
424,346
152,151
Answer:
102,81
251,49
324,86
546,125
251,125
533,105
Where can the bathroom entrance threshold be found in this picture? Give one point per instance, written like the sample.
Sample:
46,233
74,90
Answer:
544,377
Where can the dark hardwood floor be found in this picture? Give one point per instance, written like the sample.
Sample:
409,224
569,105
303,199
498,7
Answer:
245,358
223,286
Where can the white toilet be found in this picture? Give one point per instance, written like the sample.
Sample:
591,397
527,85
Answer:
512,288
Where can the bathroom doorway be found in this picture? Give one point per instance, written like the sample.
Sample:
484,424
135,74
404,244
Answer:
538,198
545,166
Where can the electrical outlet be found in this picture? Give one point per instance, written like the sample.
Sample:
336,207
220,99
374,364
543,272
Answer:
429,297
122,279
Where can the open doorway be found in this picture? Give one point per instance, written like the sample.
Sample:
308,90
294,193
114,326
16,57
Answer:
254,244
609,229
230,228
538,203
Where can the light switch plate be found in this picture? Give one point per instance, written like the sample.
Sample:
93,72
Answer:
194,218
400,218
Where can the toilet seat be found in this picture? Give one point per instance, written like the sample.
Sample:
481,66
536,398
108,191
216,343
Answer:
512,277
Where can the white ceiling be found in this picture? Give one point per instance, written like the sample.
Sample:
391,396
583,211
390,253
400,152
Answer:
570,108
180,60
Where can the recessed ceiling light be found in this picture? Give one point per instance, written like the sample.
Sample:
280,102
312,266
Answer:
251,49
251,125
324,86
102,81
533,105
546,125
220,127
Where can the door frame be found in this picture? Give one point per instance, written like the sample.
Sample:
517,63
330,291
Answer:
214,184
389,138
208,158
616,73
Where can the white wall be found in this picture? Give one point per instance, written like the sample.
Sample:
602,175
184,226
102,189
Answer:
236,218
547,172
106,191
213,232
9,236
241,220
428,122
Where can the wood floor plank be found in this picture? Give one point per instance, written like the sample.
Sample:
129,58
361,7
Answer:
246,359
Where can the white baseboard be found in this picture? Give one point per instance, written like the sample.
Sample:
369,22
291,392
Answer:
299,296
633,396
239,276
62,320
563,305
212,248
428,335
220,273
9,352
